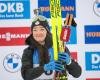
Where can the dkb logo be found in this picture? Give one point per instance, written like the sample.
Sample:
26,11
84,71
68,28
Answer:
95,59
92,60
12,9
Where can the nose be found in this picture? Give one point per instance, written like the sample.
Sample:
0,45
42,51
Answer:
39,34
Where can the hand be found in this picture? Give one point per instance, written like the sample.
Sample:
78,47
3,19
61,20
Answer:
54,65
64,57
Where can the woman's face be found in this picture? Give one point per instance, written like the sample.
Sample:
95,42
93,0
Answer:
39,33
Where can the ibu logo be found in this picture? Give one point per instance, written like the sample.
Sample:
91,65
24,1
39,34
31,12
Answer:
92,60
13,9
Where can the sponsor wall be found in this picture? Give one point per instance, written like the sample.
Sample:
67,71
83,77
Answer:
84,44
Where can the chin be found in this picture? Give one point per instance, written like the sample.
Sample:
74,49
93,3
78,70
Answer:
40,40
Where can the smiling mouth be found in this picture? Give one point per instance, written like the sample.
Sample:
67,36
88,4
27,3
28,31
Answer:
40,35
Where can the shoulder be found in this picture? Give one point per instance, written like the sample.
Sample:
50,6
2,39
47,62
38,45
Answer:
27,51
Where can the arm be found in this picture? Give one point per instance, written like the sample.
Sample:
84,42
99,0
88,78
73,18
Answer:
74,68
27,70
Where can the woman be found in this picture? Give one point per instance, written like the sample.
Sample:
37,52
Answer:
38,57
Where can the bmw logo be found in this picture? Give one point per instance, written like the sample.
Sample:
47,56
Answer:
96,7
12,63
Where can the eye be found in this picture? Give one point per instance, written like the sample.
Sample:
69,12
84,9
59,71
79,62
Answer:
42,29
34,30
